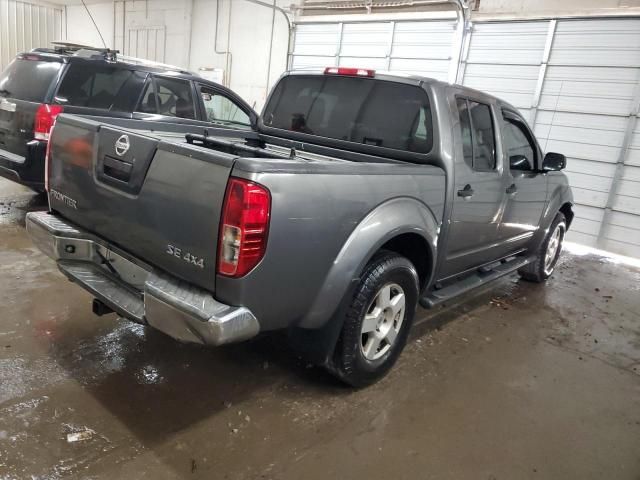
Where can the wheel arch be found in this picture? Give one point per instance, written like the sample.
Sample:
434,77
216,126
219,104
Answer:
567,210
402,225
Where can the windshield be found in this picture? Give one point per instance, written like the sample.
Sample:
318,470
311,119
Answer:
28,79
360,110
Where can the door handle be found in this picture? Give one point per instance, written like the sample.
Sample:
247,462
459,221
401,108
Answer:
512,189
466,192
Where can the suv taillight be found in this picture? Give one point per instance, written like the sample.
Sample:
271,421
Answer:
244,227
45,117
47,160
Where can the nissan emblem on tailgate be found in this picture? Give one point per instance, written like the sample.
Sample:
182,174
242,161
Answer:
122,145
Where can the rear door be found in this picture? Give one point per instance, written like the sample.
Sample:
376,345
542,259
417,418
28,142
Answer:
25,84
527,184
479,187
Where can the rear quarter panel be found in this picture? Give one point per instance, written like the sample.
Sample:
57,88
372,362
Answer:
317,210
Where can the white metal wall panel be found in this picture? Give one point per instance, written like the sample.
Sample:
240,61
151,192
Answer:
504,59
147,42
589,93
419,47
422,48
24,26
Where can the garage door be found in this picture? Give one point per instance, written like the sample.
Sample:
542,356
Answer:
577,81
417,47
24,26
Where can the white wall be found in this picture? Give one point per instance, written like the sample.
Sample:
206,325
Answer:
249,44
80,29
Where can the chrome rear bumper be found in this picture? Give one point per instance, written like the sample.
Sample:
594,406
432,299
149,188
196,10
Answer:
134,290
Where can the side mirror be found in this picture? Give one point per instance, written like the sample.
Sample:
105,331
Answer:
519,162
253,119
554,162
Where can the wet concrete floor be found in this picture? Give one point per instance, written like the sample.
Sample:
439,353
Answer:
517,381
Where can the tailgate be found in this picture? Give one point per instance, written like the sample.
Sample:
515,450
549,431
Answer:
158,200
16,127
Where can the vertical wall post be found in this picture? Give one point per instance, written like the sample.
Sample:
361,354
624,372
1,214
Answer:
339,44
542,73
392,32
617,176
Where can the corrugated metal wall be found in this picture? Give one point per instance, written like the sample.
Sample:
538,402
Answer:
421,47
577,81
24,25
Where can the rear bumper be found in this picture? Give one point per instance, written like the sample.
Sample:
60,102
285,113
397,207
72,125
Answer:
136,291
27,170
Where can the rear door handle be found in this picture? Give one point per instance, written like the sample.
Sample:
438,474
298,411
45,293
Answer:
466,192
512,189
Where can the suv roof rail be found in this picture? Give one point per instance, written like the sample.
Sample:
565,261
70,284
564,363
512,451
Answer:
151,63
87,51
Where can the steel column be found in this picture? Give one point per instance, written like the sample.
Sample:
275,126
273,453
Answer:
551,32
622,156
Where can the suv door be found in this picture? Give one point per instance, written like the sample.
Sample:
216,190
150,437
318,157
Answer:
479,187
527,184
221,109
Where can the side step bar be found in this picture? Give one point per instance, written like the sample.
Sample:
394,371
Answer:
481,277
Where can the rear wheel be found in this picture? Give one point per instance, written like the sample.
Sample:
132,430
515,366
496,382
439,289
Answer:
548,254
378,320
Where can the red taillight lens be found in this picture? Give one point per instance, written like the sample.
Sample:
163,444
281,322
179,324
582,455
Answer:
244,227
353,72
47,159
45,117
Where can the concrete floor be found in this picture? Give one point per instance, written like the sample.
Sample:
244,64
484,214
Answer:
518,381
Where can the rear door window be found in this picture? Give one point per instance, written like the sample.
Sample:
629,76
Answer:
465,130
478,134
360,110
167,96
93,86
484,145
28,80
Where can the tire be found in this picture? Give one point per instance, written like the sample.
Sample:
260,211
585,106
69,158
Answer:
542,267
376,324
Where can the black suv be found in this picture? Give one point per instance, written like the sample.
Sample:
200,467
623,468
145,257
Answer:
39,85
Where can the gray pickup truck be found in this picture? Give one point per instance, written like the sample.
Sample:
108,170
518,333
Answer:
358,196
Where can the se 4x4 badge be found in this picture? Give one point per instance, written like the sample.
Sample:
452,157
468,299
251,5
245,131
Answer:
187,257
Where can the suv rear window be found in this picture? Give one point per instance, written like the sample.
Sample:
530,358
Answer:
93,86
28,79
360,110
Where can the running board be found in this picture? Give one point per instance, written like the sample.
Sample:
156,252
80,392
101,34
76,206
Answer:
481,277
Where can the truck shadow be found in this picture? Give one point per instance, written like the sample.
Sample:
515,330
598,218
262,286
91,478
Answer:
157,386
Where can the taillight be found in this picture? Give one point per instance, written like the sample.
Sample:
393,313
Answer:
352,72
45,117
244,227
47,159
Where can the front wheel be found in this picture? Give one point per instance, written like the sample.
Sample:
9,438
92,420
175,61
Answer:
548,254
378,320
